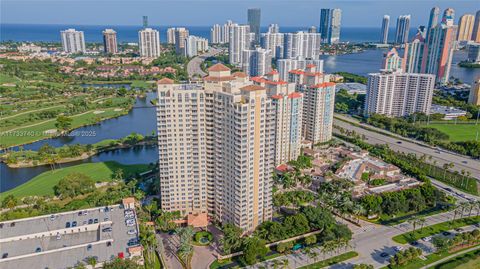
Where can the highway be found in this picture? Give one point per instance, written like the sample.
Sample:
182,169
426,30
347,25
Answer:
406,145
194,65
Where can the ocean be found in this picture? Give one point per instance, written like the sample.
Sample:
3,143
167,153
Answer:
93,33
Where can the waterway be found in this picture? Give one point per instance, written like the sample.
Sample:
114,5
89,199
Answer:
142,119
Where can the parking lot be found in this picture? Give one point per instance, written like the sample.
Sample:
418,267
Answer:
62,240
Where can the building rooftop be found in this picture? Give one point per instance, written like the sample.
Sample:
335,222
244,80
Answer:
218,67
166,81
50,241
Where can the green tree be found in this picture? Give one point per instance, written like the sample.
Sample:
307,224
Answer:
253,249
74,184
63,123
231,240
9,201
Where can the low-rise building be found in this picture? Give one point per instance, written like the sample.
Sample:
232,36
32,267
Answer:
448,112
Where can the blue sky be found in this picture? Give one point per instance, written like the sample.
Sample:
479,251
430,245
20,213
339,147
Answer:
356,13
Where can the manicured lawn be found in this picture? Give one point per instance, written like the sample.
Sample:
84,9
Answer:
34,133
7,79
419,263
434,229
459,131
331,261
473,263
44,183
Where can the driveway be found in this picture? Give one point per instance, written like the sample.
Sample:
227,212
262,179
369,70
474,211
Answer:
194,65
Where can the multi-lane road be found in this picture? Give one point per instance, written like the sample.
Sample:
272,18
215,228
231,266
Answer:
194,65
406,145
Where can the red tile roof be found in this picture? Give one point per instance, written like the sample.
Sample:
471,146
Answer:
273,72
165,81
252,88
323,85
277,96
294,95
218,67
227,78
296,71
239,75
310,65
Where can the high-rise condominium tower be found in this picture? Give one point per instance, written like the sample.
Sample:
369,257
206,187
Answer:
465,27
318,103
438,51
288,107
239,41
110,41
301,45
403,29
216,148
433,19
216,34
392,61
254,22
286,65
149,43
476,28
330,24
273,28
385,25
398,94
171,35
73,41
274,43
413,55
181,35
257,62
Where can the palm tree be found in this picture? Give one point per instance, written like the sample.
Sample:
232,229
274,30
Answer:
422,222
413,221
285,263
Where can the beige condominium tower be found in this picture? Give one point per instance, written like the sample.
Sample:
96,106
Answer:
216,148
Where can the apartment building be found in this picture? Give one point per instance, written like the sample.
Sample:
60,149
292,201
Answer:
73,41
288,106
216,148
149,43
110,41
398,94
318,102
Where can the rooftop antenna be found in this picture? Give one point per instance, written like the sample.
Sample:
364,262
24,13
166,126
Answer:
145,21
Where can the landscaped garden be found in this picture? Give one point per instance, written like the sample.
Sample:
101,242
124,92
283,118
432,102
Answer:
203,238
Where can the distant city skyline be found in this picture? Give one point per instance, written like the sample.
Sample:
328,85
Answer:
209,12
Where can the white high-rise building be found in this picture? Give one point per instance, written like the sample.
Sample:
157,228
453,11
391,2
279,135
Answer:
301,45
195,45
256,62
216,34
413,55
274,43
385,27
392,61
399,94
73,41
226,29
318,103
403,29
273,28
171,35
240,40
216,149
149,43
284,66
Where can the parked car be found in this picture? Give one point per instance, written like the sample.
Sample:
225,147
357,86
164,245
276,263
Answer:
427,239
67,225
39,249
384,254
52,217
74,224
132,231
398,248
5,255
89,247
59,237
90,221
95,221
108,229
446,233
106,219
459,229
